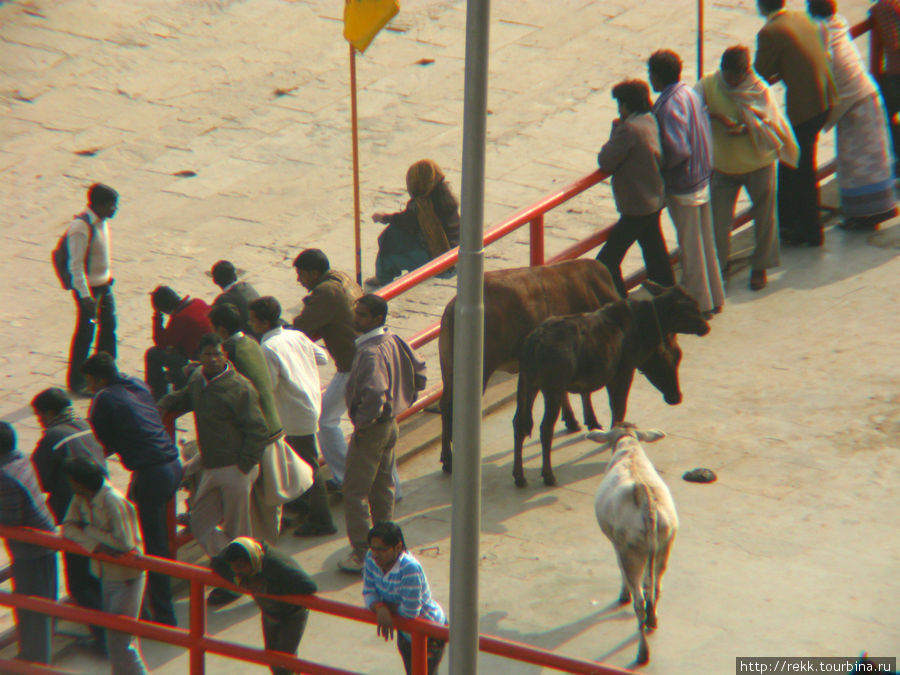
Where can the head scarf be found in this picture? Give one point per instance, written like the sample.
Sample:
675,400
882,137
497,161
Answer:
421,180
768,128
254,550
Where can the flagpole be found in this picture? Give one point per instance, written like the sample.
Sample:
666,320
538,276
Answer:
353,124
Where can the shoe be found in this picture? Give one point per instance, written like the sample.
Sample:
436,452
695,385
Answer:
758,280
791,238
373,282
309,529
90,643
219,597
333,486
354,563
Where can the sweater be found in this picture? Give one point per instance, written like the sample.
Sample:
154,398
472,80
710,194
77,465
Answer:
633,156
249,360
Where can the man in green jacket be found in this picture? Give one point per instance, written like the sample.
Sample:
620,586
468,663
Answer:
231,435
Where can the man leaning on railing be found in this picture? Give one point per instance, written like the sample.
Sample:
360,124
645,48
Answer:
33,567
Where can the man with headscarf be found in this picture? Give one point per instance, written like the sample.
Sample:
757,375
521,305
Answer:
261,568
749,135
425,229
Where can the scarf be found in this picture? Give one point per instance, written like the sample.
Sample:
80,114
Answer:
768,128
421,180
255,551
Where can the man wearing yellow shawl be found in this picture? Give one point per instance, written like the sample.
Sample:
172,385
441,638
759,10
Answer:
260,568
426,228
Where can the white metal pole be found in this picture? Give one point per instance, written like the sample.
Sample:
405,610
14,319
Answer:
469,354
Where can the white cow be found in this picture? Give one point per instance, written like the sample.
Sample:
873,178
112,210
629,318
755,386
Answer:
637,514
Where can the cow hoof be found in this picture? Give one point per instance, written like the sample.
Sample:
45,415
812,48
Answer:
625,597
520,481
643,657
447,467
550,480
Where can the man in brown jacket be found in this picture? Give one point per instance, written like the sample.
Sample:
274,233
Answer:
385,380
633,155
789,48
328,313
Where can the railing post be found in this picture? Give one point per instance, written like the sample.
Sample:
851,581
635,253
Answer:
536,230
197,628
876,52
419,653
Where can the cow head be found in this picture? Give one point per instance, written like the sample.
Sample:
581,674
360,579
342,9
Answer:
661,368
614,435
676,310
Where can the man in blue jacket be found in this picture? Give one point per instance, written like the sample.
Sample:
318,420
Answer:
126,421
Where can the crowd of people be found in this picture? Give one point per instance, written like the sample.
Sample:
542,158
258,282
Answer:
694,148
251,379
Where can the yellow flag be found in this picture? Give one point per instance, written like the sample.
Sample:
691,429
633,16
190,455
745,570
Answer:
364,18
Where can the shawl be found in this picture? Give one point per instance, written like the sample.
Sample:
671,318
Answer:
767,126
254,550
421,180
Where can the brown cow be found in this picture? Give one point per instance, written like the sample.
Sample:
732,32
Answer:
515,302
582,353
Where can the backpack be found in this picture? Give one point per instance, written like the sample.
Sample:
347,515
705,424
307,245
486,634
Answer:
60,255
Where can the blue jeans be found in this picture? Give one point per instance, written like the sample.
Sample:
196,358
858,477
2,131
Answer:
150,490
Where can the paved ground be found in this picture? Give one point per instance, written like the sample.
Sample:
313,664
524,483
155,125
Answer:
792,399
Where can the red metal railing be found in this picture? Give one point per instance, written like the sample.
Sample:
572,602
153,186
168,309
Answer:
199,643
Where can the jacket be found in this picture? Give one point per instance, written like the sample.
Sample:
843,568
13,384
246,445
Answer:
633,155
249,360
328,313
231,429
22,505
386,378
789,48
240,294
188,323
127,423
65,436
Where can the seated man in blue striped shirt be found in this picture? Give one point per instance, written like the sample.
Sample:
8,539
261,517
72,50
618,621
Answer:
394,583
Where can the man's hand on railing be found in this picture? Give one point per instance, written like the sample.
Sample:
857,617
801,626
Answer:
114,552
385,620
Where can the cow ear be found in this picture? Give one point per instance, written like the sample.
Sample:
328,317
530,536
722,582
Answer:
650,435
599,436
653,288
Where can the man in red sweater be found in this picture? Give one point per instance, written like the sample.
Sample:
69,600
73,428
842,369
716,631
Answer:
175,343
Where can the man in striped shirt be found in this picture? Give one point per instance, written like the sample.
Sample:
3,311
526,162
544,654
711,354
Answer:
103,521
395,583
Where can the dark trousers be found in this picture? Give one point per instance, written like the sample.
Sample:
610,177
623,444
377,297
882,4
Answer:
85,327
150,490
314,500
84,587
798,192
435,652
890,92
645,231
36,577
159,366
284,634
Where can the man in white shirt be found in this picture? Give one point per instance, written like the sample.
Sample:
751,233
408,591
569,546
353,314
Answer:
292,359
103,521
88,242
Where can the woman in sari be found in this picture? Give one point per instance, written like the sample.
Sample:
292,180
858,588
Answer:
426,228
865,174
